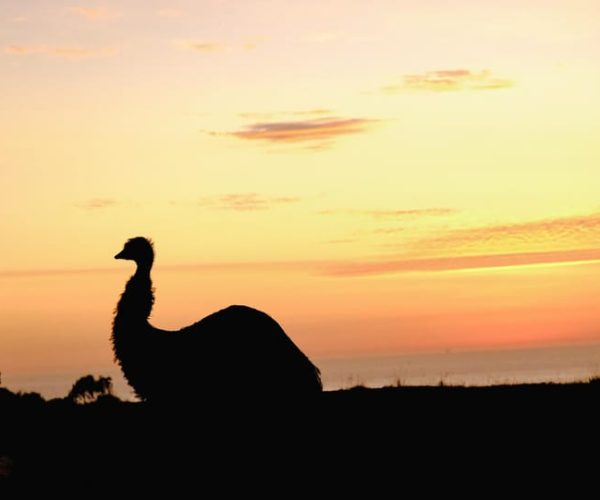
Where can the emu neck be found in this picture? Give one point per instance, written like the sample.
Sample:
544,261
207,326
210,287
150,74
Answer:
143,270
137,300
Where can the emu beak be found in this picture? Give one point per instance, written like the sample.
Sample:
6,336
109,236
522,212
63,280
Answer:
120,255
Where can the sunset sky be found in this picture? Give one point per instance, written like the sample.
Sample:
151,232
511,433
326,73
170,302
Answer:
380,177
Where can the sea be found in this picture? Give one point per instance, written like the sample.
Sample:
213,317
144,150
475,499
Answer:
560,364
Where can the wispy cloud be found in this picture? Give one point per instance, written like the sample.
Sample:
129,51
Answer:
574,231
96,204
93,13
449,81
344,269
312,130
63,52
245,202
459,263
220,267
556,240
394,214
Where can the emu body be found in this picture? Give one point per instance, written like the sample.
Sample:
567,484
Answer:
237,351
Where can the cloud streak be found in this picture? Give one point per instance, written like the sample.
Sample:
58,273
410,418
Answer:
449,81
577,230
239,266
311,130
246,202
62,52
337,269
461,263
395,214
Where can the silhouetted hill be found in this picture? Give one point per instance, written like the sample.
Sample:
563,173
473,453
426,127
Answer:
61,443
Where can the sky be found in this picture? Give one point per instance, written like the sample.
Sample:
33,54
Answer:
381,177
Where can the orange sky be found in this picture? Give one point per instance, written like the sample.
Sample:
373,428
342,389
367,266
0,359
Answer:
388,177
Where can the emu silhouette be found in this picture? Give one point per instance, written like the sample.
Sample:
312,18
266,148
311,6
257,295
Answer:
237,351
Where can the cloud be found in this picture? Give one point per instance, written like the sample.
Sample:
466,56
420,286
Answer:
557,240
449,81
93,13
220,267
245,202
356,268
63,52
320,129
97,204
465,262
395,214
574,231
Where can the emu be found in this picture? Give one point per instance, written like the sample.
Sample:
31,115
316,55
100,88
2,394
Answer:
235,352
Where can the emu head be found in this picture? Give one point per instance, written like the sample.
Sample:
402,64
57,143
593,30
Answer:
139,250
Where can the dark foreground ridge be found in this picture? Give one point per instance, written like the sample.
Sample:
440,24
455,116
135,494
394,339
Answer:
61,443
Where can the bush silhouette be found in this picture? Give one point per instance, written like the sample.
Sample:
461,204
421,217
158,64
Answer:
88,389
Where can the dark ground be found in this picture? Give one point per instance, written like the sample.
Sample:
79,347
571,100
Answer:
390,431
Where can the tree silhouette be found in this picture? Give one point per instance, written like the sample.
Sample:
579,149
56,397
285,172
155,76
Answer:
88,389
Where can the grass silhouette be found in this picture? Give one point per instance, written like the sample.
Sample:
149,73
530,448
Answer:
65,443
